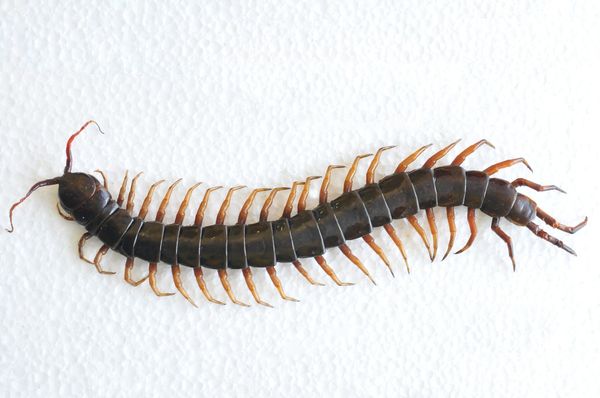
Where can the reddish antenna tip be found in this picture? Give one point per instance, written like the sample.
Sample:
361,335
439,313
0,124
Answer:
69,162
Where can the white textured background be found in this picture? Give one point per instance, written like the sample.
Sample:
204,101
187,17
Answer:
262,93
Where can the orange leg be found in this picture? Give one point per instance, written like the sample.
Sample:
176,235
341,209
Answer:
252,287
503,235
329,271
392,233
289,204
537,187
452,228
429,163
103,250
325,183
202,207
352,171
493,169
176,272
472,227
548,219
378,250
225,282
275,279
469,150
225,205
160,215
184,203
63,214
127,274
175,269
202,285
348,253
411,158
152,268
415,224
375,162
547,237
148,199
264,212
104,179
80,245
304,193
123,189
131,195
247,204
305,274
434,231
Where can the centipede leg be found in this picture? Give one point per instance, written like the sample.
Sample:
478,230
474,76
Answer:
202,285
411,158
304,194
63,214
127,274
415,224
176,272
277,283
452,227
519,182
225,282
379,251
84,238
152,268
104,179
493,169
548,219
460,158
434,231
101,252
472,227
247,272
392,233
429,163
547,237
330,272
325,184
504,236
348,253
370,178
300,268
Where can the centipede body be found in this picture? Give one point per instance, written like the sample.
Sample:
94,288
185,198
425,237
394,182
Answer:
308,233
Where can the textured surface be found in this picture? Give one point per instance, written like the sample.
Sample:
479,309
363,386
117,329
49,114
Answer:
262,93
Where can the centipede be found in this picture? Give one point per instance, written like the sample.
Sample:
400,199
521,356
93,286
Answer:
303,234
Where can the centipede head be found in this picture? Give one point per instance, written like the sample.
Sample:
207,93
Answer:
74,188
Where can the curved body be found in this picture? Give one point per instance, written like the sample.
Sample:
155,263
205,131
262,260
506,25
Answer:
309,233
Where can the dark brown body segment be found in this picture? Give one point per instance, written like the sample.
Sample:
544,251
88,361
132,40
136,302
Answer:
399,195
450,185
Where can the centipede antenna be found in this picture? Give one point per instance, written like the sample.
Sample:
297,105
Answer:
69,162
37,185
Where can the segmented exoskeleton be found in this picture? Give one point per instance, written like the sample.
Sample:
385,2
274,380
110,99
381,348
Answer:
308,233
